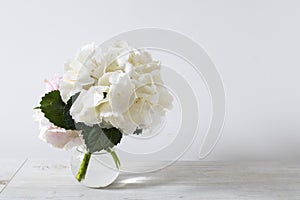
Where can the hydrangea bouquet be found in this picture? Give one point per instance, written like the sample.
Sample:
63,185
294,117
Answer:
101,97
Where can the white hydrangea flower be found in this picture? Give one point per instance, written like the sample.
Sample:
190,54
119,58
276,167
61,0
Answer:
121,88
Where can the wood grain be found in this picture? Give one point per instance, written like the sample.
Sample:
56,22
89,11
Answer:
183,180
8,170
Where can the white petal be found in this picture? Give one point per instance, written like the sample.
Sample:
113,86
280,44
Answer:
84,108
109,77
76,76
140,57
121,94
149,93
165,98
86,52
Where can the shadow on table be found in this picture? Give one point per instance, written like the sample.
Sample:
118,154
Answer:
157,178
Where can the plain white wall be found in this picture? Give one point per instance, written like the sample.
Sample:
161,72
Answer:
255,45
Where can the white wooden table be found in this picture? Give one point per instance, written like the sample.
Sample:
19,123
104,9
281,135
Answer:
32,179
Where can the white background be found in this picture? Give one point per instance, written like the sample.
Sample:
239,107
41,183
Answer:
254,44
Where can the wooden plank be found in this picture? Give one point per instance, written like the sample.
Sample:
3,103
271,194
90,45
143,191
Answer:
183,180
8,170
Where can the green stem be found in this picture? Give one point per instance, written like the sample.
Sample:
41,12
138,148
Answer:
115,157
83,167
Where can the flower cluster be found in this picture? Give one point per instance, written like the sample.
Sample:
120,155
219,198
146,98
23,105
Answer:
121,88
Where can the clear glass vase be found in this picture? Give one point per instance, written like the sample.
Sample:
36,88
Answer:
101,169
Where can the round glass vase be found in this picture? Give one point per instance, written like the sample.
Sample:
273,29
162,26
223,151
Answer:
101,168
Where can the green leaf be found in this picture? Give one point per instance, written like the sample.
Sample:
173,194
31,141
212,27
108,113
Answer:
53,108
97,138
67,116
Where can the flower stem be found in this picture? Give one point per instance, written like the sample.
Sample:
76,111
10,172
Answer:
83,167
115,157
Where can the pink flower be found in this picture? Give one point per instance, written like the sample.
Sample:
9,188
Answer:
52,84
60,138
56,136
